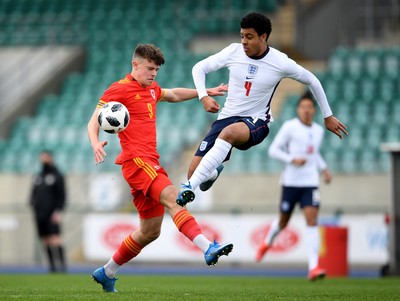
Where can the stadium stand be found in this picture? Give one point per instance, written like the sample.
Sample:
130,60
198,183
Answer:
362,84
59,122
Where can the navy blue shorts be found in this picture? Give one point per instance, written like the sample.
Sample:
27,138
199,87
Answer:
259,130
46,228
305,196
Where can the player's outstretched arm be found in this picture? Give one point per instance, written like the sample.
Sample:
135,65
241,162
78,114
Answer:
218,91
93,133
335,126
182,94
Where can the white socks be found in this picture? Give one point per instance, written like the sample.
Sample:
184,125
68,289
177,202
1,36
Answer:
202,242
111,268
312,237
313,240
273,232
207,167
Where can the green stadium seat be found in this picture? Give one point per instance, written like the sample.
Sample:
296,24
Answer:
337,62
361,113
380,114
331,158
355,79
391,65
368,91
386,90
392,134
383,162
356,137
350,91
373,68
349,162
374,137
368,161
354,63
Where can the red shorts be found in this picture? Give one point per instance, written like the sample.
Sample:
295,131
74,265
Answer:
147,180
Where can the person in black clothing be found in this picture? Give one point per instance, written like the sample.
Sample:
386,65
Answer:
48,201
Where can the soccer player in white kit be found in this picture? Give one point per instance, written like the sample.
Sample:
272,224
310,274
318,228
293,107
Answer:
297,145
255,70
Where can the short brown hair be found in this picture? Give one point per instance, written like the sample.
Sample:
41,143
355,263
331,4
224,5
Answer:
150,52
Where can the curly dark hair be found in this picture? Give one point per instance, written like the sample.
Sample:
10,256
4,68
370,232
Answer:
260,23
150,52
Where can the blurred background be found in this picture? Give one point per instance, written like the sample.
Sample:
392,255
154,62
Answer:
57,58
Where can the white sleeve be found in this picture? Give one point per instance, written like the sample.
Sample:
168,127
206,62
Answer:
209,64
297,72
278,145
321,162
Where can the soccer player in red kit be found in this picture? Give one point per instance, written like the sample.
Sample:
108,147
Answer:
151,188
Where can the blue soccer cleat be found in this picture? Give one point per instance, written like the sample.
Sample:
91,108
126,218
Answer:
100,276
185,195
207,184
215,251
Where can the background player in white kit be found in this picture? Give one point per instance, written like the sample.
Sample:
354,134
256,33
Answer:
297,145
255,70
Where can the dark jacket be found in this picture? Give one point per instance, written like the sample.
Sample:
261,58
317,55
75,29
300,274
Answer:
48,193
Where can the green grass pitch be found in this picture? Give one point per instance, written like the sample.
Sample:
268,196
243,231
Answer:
137,287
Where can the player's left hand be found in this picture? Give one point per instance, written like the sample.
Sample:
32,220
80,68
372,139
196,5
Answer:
335,126
210,104
56,217
327,176
98,151
218,91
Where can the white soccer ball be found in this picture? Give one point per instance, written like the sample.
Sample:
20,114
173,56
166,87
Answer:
113,117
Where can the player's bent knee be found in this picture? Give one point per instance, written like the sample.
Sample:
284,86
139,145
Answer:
152,234
168,196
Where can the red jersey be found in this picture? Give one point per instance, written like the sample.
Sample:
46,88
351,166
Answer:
139,138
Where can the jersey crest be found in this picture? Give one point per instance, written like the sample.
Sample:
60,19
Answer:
153,93
252,69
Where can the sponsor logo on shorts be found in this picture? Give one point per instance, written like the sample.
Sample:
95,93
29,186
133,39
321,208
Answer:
316,197
203,145
285,206
253,122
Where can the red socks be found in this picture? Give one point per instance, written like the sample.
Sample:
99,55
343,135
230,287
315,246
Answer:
127,250
186,224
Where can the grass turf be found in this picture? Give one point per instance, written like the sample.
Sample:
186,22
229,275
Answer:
81,287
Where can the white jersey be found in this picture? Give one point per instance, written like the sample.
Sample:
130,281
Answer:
297,140
252,82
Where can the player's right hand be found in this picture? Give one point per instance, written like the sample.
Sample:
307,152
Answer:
98,151
210,104
299,161
335,126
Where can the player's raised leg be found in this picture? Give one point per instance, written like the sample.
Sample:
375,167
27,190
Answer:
209,164
213,177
